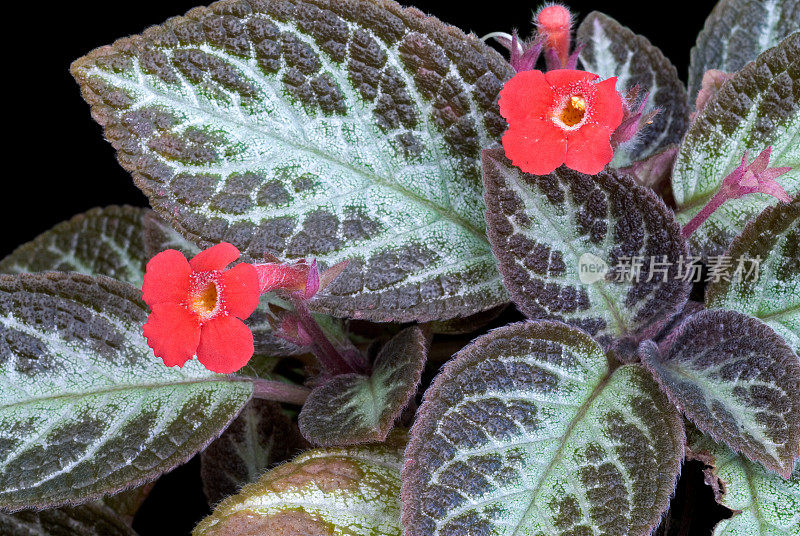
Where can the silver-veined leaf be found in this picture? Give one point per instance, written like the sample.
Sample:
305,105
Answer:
768,284
84,520
612,49
353,408
736,32
327,492
335,130
737,381
86,409
758,107
578,248
763,503
261,437
529,431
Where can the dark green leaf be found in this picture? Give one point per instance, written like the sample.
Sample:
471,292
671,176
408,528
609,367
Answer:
737,380
772,292
528,431
549,232
352,408
336,130
737,31
86,409
261,436
614,50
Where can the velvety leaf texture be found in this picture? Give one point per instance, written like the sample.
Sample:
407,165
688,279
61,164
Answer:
528,431
352,408
764,503
85,520
773,293
614,50
757,108
103,241
316,128
86,409
736,32
737,381
568,246
261,436
326,492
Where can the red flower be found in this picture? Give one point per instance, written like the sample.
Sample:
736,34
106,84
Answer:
560,117
197,306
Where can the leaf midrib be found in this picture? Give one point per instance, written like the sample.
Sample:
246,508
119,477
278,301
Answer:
121,388
441,212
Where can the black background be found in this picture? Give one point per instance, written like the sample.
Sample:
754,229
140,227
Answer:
58,164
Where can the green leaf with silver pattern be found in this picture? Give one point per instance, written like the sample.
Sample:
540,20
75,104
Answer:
529,430
335,130
85,520
758,107
327,492
86,409
612,49
763,277
736,32
763,503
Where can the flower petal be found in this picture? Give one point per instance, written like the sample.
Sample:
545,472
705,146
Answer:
560,78
166,278
215,258
538,148
173,333
588,149
526,96
239,290
606,106
226,345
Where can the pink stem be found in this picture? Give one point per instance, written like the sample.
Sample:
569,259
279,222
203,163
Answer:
331,360
279,391
703,215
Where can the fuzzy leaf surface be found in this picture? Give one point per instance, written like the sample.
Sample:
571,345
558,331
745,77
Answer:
736,32
614,50
738,381
85,520
337,491
335,130
353,408
87,409
758,107
764,503
528,431
547,231
102,241
773,293
261,437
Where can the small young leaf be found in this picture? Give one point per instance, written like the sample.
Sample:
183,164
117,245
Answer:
614,50
764,504
528,431
737,381
568,246
736,32
758,107
87,409
335,130
261,436
772,292
351,408
85,520
103,241
326,492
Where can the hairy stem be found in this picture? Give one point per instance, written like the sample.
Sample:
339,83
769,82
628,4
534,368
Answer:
279,391
703,215
332,361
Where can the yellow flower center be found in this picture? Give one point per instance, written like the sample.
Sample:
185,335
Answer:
204,301
573,111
